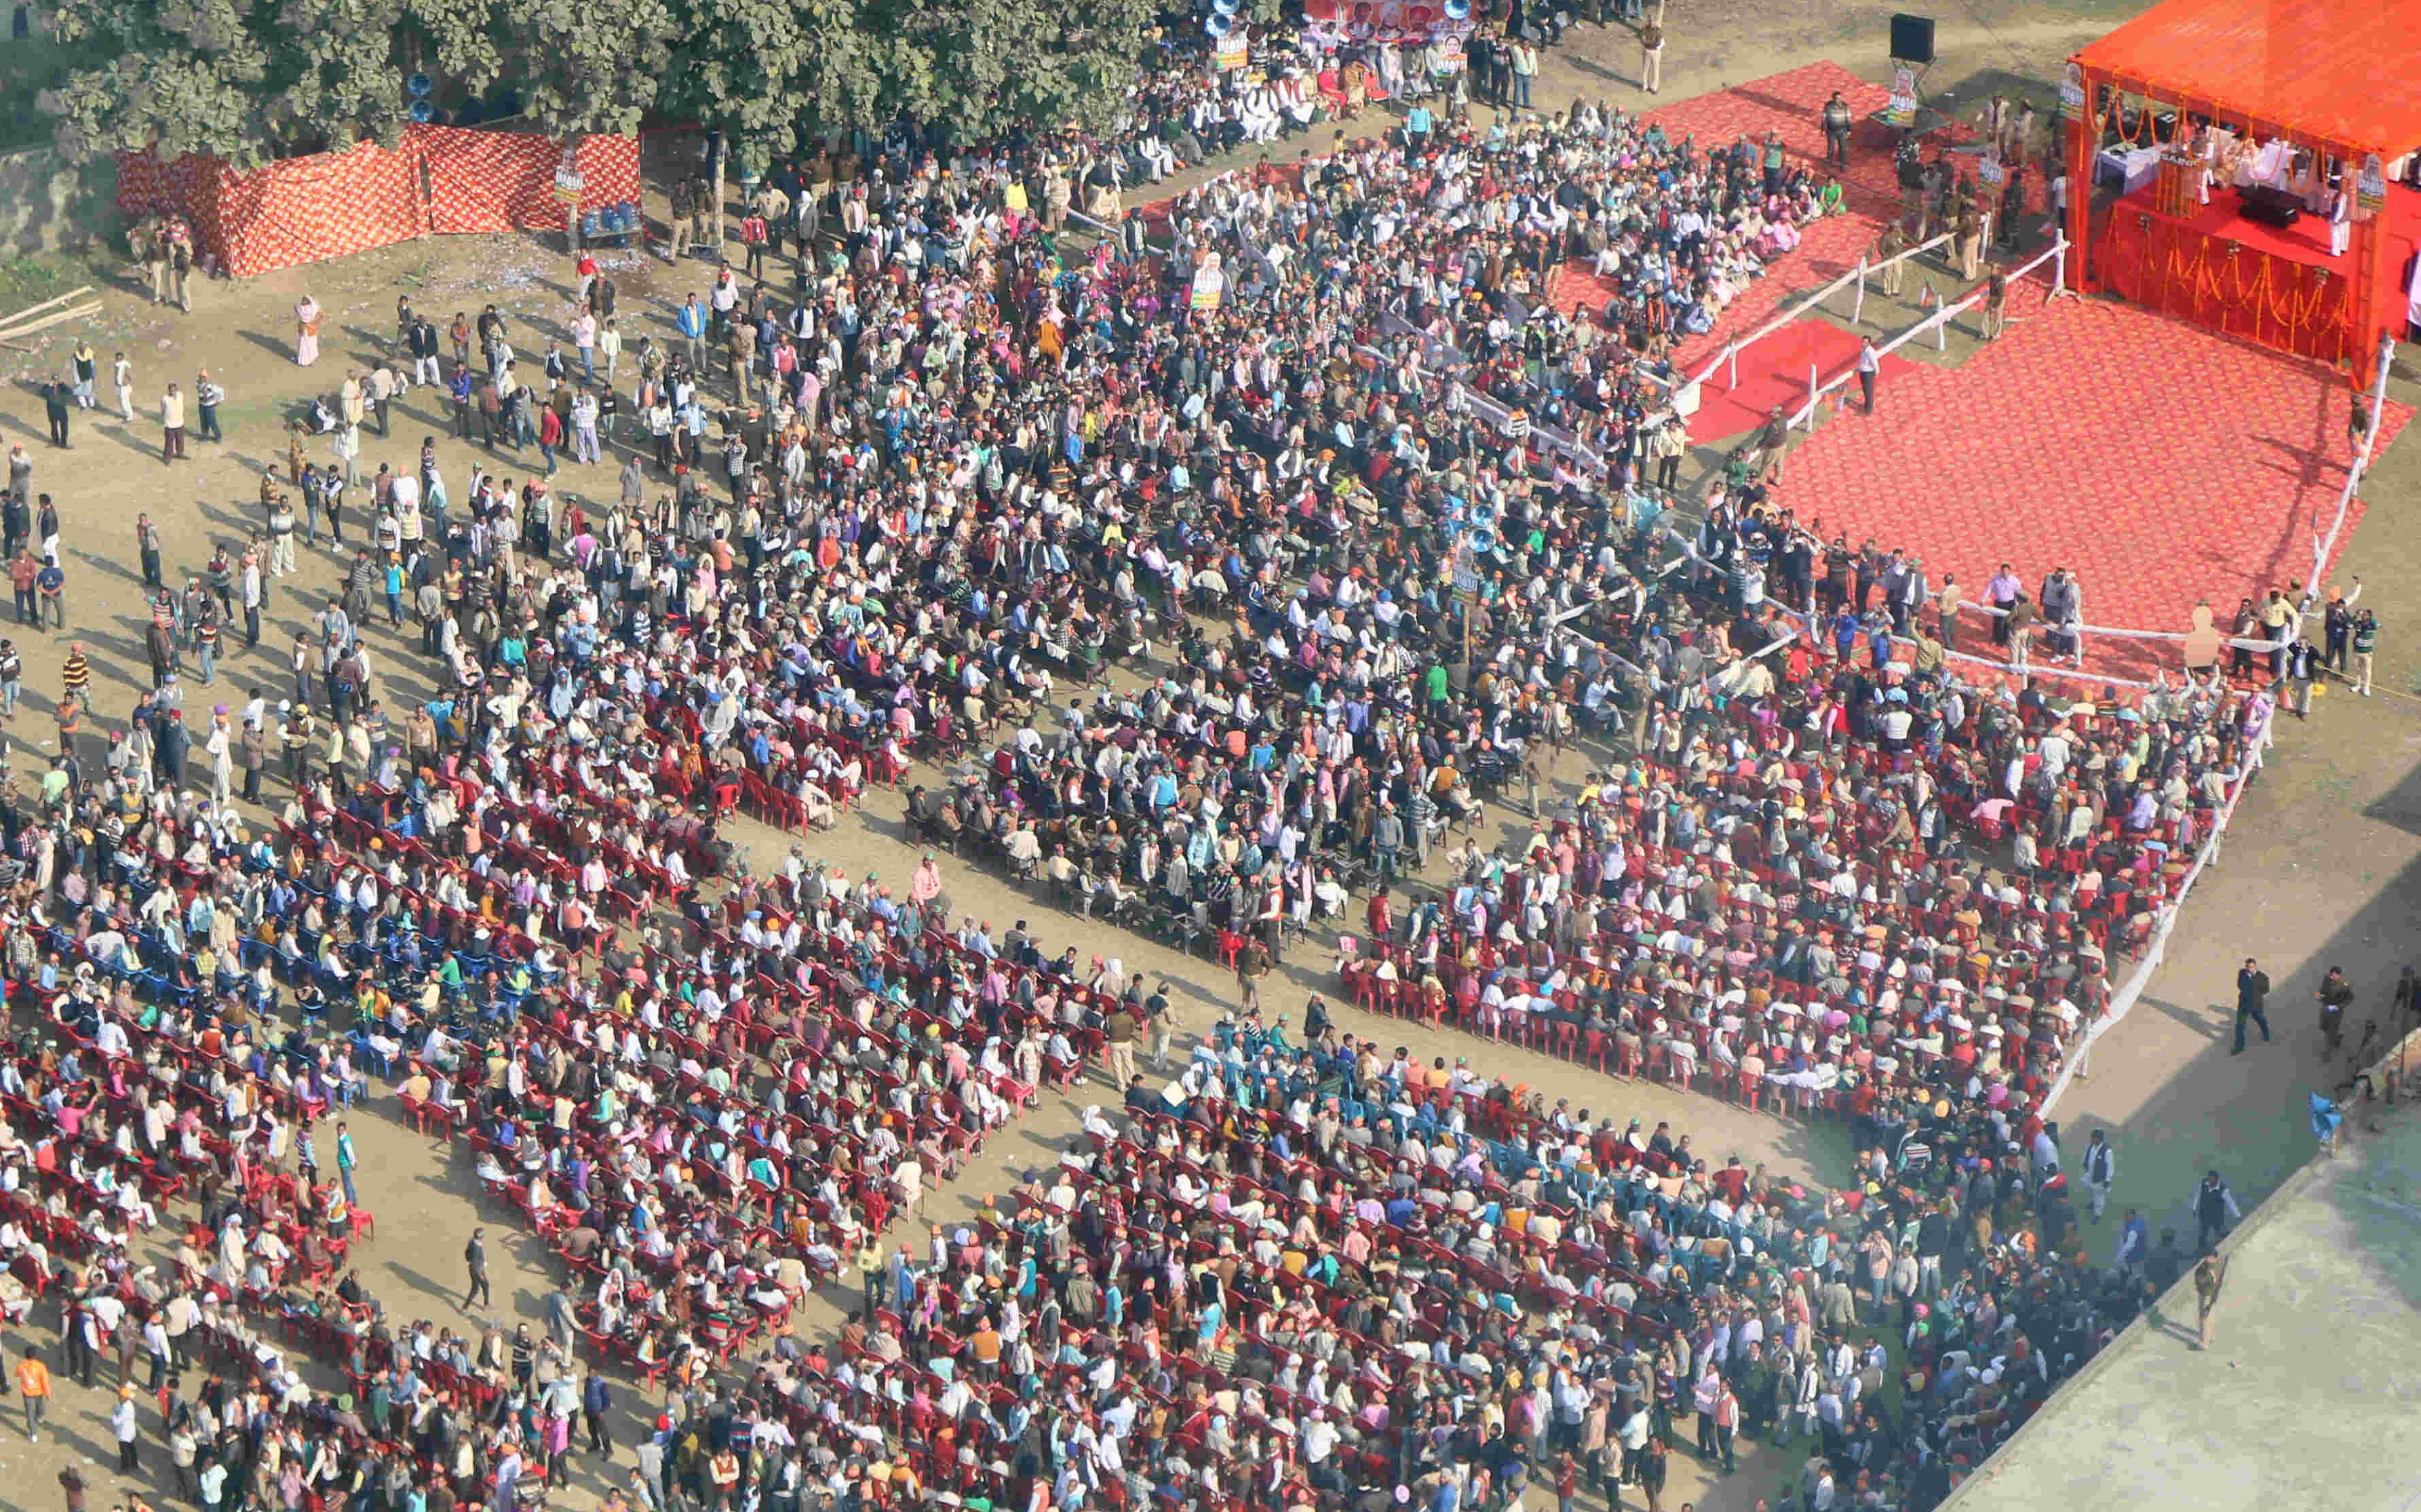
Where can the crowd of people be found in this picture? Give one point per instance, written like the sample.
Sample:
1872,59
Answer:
1319,1275
1403,522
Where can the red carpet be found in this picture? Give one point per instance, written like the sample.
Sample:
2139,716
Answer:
1773,373
2077,441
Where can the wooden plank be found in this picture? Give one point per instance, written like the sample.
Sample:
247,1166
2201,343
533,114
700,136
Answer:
36,309
81,312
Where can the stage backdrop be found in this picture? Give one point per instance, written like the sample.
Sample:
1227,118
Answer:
332,204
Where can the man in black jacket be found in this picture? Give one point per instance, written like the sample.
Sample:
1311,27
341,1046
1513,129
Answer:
2336,994
2252,996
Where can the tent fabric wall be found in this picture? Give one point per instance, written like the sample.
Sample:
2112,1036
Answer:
309,210
442,178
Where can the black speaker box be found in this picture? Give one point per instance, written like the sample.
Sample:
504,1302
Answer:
2270,207
1911,39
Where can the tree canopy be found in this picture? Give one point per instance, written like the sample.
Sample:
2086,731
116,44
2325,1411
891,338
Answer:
248,80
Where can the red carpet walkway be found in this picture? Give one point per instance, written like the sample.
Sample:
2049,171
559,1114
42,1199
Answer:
2162,463
1773,373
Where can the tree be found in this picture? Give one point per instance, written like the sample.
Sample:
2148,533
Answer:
981,65
578,67
771,72
271,78
246,80
208,75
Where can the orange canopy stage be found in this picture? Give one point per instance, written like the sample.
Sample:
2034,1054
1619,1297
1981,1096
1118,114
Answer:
2340,79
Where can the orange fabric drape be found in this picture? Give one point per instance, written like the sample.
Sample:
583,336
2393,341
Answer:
2227,286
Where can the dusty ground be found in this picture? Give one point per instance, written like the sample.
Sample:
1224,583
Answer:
2319,871
2318,1304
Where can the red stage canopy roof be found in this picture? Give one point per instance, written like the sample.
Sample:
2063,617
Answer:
2332,73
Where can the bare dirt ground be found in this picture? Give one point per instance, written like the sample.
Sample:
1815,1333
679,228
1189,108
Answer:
2319,870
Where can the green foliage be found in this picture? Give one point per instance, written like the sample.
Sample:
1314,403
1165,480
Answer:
244,81
249,80
988,64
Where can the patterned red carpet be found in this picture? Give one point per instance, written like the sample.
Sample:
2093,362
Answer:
1773,373
2162,463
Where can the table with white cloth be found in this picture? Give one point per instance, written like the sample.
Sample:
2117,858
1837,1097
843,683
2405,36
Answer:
2132,167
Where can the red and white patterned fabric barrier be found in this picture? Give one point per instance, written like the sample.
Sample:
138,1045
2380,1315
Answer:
441,179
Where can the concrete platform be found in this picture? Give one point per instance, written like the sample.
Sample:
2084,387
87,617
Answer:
2309,1394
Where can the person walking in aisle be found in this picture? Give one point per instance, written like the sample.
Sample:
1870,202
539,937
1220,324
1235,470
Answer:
2100,1170
2252,1000
2210,1275
33,1385
2215,1210
475,1256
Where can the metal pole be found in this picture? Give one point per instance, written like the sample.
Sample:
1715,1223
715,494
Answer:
2059,267
1942,328
1858,309
1812,381
1731,355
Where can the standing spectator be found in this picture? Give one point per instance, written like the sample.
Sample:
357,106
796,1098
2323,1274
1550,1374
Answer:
2364,639
55,409
172,425
1651,53
596,1402
51,583
753,234
146,546
1869,365
1525,72
22,573
1251,964
1121,1031
207,396
690,320
422,343
584,338
1836,121
128,1431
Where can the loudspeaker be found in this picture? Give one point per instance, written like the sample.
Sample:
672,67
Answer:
1911,39
2270,207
